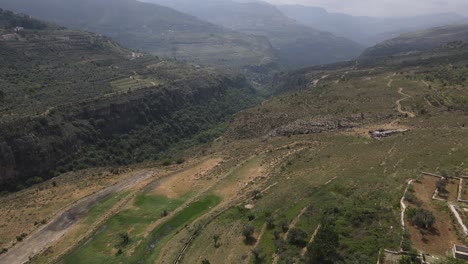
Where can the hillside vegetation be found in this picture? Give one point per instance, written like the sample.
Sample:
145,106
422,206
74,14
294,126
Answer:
298,179
417,42
353,162
158,30
364,29
296,45
70,100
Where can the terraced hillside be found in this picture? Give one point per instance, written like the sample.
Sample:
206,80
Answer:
158,30
71,100
296,45
417,42
297,179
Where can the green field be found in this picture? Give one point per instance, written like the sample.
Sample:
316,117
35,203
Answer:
104,245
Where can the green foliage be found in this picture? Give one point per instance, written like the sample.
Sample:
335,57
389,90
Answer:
297,237
441,185
423,218
10,20
247,231
324,248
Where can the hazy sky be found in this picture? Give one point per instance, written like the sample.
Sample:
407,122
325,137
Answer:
385,7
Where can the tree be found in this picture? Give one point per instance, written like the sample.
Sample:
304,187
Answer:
441,185
124,240
423,218
270,221
323,250
297,237
247,232
205,261
216,238
257,254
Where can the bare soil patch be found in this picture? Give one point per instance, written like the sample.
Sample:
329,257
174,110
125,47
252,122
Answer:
185,181
440,239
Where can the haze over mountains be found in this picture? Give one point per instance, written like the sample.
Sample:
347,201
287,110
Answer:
156,29
297,44
366,30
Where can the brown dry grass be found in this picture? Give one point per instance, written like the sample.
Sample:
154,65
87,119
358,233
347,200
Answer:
23,212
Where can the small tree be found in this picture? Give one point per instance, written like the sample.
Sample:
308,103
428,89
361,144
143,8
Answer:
441,185
270,221
216,238
164,213
283,223
257,254
297,237
124,240
247,232
205,261
423,218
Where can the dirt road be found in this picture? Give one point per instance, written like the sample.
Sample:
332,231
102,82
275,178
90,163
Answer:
64,221
398,103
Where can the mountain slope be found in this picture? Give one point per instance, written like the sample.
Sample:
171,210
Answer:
366,30
156,29
417,42
71,100
297,45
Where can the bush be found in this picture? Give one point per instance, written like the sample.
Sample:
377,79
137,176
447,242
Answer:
257,254
423,218
164,213
441,185
167,163
247,232
297,237
124,240
21,237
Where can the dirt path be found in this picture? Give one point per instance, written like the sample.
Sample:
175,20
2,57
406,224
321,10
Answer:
316,82
304,250
389,84
398,103
262,231
64,221
285,236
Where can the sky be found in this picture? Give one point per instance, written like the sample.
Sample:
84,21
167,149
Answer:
385,7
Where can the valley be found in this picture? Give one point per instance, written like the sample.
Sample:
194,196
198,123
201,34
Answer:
111,154
278,182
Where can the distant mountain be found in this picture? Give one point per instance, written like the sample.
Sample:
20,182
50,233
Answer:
71,100
417,42
366,30
156,29
297,45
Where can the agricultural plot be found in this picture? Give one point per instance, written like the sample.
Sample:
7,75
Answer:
133,83
439,238
464,189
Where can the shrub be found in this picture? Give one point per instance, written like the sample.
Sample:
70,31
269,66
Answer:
441,185
124,240
164,213
270,221
247,232
297,237
257,254
423,218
